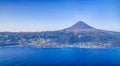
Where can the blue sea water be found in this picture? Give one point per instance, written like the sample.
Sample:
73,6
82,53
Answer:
33,56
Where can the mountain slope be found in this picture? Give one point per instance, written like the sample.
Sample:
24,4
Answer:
86,33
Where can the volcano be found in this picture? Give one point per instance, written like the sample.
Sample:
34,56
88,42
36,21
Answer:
78,27
81,25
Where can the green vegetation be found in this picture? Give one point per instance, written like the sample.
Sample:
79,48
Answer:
59,38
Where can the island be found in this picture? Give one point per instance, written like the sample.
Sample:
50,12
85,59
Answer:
79,35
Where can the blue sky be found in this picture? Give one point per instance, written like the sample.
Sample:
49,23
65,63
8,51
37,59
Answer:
47,15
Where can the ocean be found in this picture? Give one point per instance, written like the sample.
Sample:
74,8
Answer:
33,56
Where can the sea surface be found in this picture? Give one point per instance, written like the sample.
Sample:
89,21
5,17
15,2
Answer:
33,56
